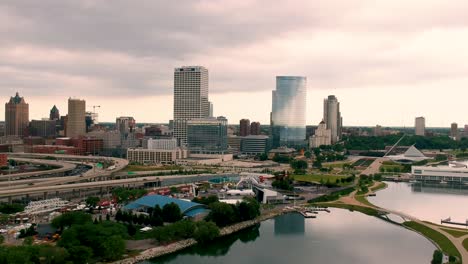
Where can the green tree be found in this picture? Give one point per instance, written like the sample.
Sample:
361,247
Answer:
205,232
171,213
92,201
80,254
249,209
11,208
113,247
437,257
222,214
71,218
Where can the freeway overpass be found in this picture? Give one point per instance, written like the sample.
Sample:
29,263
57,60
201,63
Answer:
101,186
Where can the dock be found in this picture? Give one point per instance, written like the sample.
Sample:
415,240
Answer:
450,222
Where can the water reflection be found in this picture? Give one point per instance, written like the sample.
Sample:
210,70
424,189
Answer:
338,237
291,225
430,202
449,188
217,248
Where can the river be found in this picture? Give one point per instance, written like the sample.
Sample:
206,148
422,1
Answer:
337,237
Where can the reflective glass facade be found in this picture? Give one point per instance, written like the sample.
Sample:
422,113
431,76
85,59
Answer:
207,135
288,116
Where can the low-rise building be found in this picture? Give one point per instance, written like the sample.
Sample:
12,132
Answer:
55,149
454,173
254,144
3,160
161,143
155,156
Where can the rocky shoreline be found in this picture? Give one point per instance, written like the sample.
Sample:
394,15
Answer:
183,244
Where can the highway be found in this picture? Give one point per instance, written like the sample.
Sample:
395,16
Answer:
133,182
63,167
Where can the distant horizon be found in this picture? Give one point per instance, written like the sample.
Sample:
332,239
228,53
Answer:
386,61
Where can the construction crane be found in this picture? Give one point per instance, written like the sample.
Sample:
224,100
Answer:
94,108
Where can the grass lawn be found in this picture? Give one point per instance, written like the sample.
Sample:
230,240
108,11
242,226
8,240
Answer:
442,241
335,165
465,244
380,186
455,233
363,199
317,177
363,162
361,209
150,168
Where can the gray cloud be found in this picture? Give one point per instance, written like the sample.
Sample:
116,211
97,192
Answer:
121,48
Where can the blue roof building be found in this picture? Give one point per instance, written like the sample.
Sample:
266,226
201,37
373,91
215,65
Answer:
189,209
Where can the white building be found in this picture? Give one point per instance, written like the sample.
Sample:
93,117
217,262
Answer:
332,117
454,172
167,144
322,137
420,126
190,98
155,156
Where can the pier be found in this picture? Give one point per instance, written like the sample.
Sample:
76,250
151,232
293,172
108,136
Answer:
450,222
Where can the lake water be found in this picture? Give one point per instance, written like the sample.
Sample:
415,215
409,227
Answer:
431,202
337,237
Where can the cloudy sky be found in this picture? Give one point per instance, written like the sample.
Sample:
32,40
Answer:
386,60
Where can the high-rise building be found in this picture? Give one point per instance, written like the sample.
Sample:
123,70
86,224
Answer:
190,98
43,128
332,117
322,136
255,128
207,135
125,124
454,131
288,115
420,126
244,127
54,113
16,116
76,120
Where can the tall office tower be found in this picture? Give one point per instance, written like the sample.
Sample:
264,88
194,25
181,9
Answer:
76,121
255,128
207,135
454,131
16,116
288,115
332,117
244,127
54,113
125,124
420,126
190,98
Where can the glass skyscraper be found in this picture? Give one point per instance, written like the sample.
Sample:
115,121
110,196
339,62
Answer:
207,135
288,115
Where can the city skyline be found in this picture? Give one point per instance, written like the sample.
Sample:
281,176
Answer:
401,56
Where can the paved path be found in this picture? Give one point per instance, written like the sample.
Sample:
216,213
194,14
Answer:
374,167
